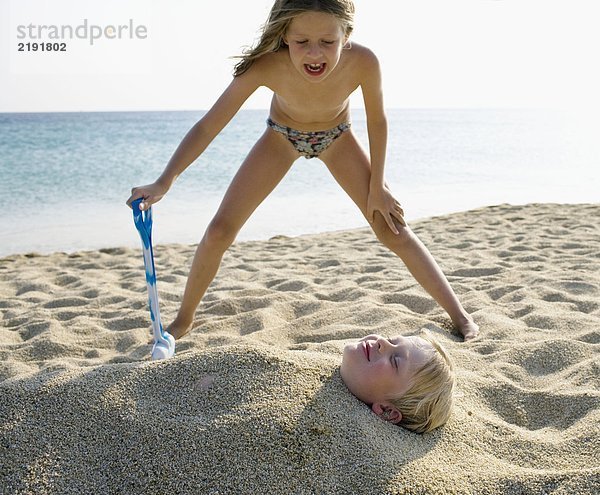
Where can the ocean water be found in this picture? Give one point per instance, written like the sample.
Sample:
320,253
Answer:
64,177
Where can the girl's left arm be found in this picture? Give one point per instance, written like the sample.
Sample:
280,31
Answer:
380,198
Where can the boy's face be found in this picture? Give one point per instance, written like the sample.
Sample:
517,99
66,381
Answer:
376,369
315,41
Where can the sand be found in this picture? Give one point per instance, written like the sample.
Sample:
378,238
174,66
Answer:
253,401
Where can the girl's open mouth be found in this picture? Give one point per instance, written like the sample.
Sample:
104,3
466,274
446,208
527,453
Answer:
366,349
314,69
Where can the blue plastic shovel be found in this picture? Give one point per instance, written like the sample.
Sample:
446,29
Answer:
164,343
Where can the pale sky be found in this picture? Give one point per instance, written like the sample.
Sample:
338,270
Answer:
434,53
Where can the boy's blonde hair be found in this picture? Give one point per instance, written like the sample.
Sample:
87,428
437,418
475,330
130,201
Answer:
281,15
428,403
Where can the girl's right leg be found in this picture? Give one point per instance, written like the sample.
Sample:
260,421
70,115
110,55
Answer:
351,167
264,167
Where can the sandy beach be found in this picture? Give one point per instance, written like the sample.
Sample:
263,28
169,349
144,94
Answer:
253,401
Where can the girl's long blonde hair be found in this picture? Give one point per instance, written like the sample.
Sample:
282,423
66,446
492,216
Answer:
281,15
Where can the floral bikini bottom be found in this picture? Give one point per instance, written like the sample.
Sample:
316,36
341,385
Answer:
309,144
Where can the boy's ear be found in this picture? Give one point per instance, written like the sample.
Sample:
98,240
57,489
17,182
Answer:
387,411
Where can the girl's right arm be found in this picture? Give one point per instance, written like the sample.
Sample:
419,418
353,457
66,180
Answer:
199,137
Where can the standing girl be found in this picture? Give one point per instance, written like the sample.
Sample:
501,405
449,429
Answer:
305,57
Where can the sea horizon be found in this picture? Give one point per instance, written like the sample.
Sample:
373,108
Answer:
66,175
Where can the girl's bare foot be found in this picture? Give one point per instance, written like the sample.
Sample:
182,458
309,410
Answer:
469,329
178,329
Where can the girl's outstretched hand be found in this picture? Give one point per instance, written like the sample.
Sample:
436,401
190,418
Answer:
151,193
381,200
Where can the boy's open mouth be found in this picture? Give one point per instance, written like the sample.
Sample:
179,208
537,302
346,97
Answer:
366,350
314,69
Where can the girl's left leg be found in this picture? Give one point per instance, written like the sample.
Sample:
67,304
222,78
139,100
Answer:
351,168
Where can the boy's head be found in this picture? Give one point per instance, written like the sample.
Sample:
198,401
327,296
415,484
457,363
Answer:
406,380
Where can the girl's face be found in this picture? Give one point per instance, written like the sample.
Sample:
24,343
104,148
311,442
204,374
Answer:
375,368
315,41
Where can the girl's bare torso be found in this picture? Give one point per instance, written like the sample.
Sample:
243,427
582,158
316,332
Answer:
306,105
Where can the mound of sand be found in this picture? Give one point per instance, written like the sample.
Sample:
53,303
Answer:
253,401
